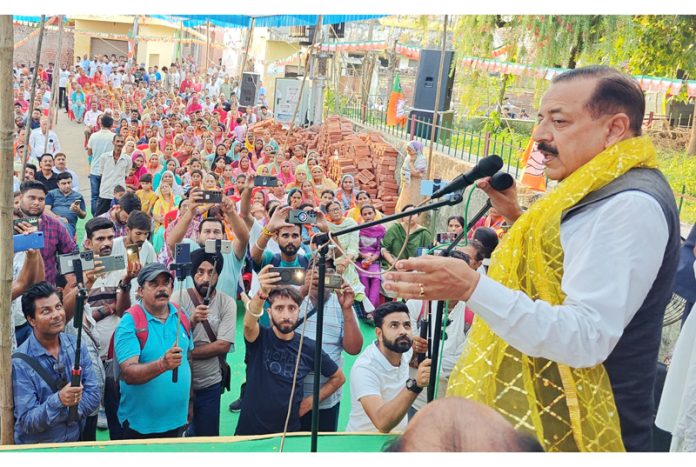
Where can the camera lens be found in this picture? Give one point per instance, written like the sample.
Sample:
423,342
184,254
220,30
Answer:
302,216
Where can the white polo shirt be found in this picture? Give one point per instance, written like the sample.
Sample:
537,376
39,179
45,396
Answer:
373,375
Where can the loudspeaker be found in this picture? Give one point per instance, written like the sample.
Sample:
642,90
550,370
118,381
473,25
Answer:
426,80
249,88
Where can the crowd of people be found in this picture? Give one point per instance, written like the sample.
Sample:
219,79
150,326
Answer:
160,144
176,166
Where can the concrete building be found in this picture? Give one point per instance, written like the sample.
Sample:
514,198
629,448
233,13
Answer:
99,35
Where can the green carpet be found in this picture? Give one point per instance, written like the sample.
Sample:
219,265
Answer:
293,443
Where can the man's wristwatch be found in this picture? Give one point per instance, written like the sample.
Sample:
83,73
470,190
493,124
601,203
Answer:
412,386
125,287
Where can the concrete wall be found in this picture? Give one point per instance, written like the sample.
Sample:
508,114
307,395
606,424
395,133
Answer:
83,40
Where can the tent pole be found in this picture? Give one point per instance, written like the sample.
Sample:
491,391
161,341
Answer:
433,129
6,232
55,102
33,94
207,45
250,34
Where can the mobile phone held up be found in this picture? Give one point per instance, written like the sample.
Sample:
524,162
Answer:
290,276
333,281
182,253
133,254
32,241
302,217
212,197
265,181
445,237
65,262
218,246
112,263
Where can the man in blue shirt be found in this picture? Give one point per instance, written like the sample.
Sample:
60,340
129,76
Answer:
66,204
213,228
152,405
42,398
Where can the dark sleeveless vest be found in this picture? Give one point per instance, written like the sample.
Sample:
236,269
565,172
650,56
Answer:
632,365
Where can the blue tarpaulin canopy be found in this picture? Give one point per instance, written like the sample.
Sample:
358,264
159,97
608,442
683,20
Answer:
262,21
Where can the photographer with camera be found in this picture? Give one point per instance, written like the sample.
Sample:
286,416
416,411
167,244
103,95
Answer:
41,372
213,228
135,240
153,338
340,333
289,238
213,320
27,269
272,353
57,239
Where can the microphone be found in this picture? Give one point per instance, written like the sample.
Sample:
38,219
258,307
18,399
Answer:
486,167
501,181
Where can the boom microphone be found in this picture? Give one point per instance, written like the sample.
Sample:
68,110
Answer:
486,167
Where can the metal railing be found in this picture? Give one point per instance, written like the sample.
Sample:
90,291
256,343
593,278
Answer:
450,140
462,143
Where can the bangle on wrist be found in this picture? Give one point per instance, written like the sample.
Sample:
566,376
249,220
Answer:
266,232
248,310
160,365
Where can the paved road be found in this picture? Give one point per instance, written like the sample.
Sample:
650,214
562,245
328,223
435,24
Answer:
71,137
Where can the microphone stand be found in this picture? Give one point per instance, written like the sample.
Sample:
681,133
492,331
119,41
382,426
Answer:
323,239
76,372
435,350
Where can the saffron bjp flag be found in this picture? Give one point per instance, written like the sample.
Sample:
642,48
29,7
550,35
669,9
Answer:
396,112
533,163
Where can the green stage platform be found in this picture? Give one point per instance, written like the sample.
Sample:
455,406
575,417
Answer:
295,442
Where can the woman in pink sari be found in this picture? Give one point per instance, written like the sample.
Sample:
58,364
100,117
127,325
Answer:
286,174
245,167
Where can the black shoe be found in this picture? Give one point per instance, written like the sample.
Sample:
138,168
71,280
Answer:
236,406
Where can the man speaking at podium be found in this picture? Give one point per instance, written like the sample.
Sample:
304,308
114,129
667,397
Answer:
569,319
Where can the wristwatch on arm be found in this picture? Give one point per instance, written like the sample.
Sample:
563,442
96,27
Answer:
412,386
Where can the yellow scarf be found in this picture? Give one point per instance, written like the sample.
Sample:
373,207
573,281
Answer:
568,409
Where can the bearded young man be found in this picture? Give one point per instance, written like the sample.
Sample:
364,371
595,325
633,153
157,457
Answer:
271,354
568,331
381,391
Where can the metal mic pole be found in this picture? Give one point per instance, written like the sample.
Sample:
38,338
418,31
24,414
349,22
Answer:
323,251
435,352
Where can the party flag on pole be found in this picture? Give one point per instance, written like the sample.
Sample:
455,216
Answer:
396,112
533,163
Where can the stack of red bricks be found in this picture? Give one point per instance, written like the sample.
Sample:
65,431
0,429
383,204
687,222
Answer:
366,156
384,157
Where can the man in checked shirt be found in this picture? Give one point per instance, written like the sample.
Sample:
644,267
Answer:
57,240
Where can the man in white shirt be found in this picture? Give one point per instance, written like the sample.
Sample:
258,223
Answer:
381,391
620,252
62,85
113,167
137,231
99,143
90,119
38,137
